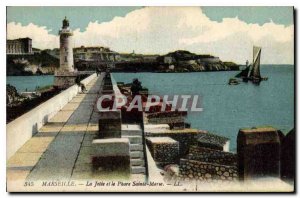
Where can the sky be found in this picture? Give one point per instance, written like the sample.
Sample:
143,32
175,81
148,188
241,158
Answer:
227,32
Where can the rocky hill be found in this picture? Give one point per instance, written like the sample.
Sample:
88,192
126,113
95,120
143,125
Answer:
35,64
185,61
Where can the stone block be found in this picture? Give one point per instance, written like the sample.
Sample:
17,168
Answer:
134,139
258,153
288,162
110,124
138,170
213,141
111,154
164,150
185,137
131,130
136,154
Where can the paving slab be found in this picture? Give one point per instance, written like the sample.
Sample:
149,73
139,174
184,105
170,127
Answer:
61,117
70,106
16,175
23,160
36,145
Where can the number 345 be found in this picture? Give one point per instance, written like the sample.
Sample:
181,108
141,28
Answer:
28,184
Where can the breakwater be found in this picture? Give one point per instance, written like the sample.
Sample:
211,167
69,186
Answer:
24,127
92,146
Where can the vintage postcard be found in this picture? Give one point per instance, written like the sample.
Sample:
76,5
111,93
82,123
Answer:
150,99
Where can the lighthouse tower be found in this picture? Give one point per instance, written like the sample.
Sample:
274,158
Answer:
66,50
65,75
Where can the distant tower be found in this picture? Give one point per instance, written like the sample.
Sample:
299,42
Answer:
66,49
65,75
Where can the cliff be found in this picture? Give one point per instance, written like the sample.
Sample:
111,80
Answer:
34,64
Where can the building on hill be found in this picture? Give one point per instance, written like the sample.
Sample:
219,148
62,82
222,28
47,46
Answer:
19,46
54,52
169,60
97,53
207,59
36,51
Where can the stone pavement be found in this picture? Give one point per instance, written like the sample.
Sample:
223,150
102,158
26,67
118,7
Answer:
56,152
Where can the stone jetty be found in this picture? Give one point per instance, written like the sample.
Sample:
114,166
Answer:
68,141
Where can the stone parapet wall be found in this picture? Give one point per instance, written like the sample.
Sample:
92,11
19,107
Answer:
197,170
212,156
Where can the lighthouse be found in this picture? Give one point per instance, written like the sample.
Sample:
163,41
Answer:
65,75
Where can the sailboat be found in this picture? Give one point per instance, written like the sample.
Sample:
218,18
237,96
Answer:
252,71
244,73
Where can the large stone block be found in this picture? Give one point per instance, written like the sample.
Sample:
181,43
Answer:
111,154
288,149
110,124
185,137
213,141
164,150
258,153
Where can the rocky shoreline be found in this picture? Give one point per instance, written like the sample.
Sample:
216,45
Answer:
44,63
31,64
17,104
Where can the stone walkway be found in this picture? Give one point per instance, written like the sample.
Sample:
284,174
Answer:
61,148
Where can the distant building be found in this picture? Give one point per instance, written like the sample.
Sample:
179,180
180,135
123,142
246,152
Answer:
168,60
150,58
171,67
54,52
97,53
208,59
19,46
36,50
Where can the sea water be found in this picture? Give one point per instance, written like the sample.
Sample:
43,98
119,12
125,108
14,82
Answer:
227,108
29,83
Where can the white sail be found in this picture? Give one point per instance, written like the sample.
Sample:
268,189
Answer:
255,72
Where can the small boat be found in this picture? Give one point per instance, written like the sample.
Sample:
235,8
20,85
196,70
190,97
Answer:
252,71
233,81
